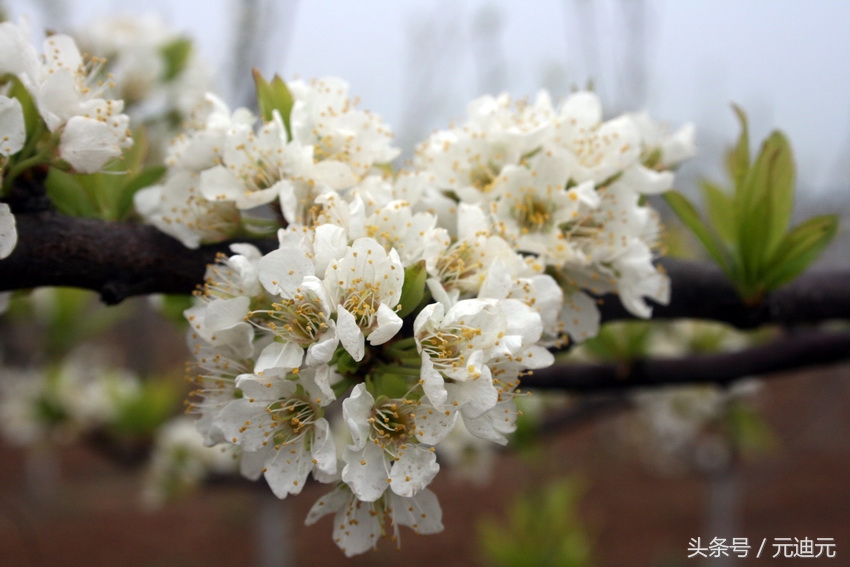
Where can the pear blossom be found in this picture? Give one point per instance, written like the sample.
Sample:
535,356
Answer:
281,420
344,142
384,452
359,525
499,132
94,128
177,208
254,167
299,315
365,285
416,302
455,344
596,150
198,146
213,373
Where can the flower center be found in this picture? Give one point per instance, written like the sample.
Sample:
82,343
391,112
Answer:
392,425
291,419
458,264
300,320
532,214
447,348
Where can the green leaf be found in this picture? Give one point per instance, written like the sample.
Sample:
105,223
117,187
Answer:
779,192
689,216
721,210
141,415
67,194
800,248
274,96
32,118
764,204
750,430
739,158
413,288
176,55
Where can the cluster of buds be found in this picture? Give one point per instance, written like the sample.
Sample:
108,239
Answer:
416,302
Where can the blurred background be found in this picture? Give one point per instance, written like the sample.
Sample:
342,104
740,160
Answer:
627,483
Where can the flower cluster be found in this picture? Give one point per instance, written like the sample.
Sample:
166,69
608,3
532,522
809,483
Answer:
416,302
155,70
70,95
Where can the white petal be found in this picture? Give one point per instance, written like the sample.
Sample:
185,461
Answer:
414,470
433,425
357,529
334,174
87,144
474,397
647,181
497,283
433,383
282,270
494,424
422,513
366,472
330,503
356,410
322,351
389,323
323,448
350,334
329,243
284,356
225,313
8,231
232,418
11,126
251,464
580,316
287,470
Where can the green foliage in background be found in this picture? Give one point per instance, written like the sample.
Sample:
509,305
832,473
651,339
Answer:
542,529
748,233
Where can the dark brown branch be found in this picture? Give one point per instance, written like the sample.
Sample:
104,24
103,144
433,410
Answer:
120,260
801,350
702,291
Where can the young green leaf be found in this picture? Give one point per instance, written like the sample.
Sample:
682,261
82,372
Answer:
763,205
780,192
739,159
720,209
800,248
176,54
413,288
68,195
274,96
689,216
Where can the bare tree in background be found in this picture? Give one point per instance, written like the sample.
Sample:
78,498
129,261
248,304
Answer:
433,50
262,32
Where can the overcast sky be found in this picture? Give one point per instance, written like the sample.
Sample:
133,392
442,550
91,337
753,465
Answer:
418,62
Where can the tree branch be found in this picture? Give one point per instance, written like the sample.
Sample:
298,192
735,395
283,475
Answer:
792,352
120,260
702,291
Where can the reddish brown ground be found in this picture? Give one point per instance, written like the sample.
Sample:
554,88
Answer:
639,518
